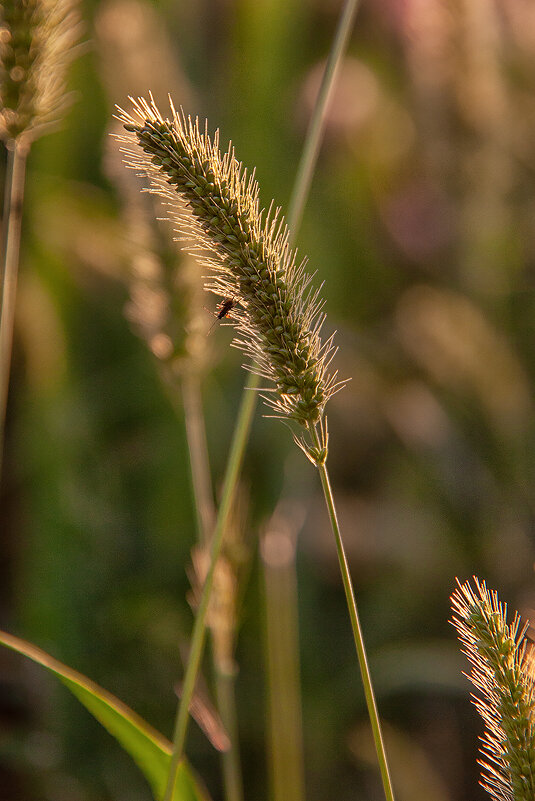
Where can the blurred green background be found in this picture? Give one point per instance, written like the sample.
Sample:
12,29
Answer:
420,222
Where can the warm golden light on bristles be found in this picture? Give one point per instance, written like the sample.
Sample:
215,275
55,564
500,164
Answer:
278,316
502,672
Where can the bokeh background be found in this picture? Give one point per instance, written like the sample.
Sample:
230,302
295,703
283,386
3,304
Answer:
420,222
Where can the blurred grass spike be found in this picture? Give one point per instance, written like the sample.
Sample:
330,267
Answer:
37,39
278,315
503,673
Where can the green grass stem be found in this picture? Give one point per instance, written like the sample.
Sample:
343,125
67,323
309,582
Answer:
226,706
234,463
316,128
355,623
198,455
206,517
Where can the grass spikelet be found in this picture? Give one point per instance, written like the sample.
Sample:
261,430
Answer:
277,314
37,40
502,672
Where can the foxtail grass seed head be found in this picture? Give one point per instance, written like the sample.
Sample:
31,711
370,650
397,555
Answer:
276,313
37,39
502,673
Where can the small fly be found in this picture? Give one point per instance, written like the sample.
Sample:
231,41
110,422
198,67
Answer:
222,311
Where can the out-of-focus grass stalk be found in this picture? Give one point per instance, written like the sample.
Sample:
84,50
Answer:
17,154
224,679
307,163
234,463
37,39
278,548
198,455
225,682
224,670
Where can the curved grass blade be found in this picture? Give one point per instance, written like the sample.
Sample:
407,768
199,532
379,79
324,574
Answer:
149,749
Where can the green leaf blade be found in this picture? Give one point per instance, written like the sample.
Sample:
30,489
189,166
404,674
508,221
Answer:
149,749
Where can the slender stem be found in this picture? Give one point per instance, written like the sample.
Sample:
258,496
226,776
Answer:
355,625
12,219
191,406
241,434
244,419
198,456
226,705
206,517
316,127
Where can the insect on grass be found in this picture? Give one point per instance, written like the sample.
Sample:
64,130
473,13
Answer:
222,311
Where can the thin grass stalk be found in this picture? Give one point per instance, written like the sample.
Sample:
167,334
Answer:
198,455
234,463
206,516
225,693
355,622
206,519
17,154
247,407
226,706
224,682
316,128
